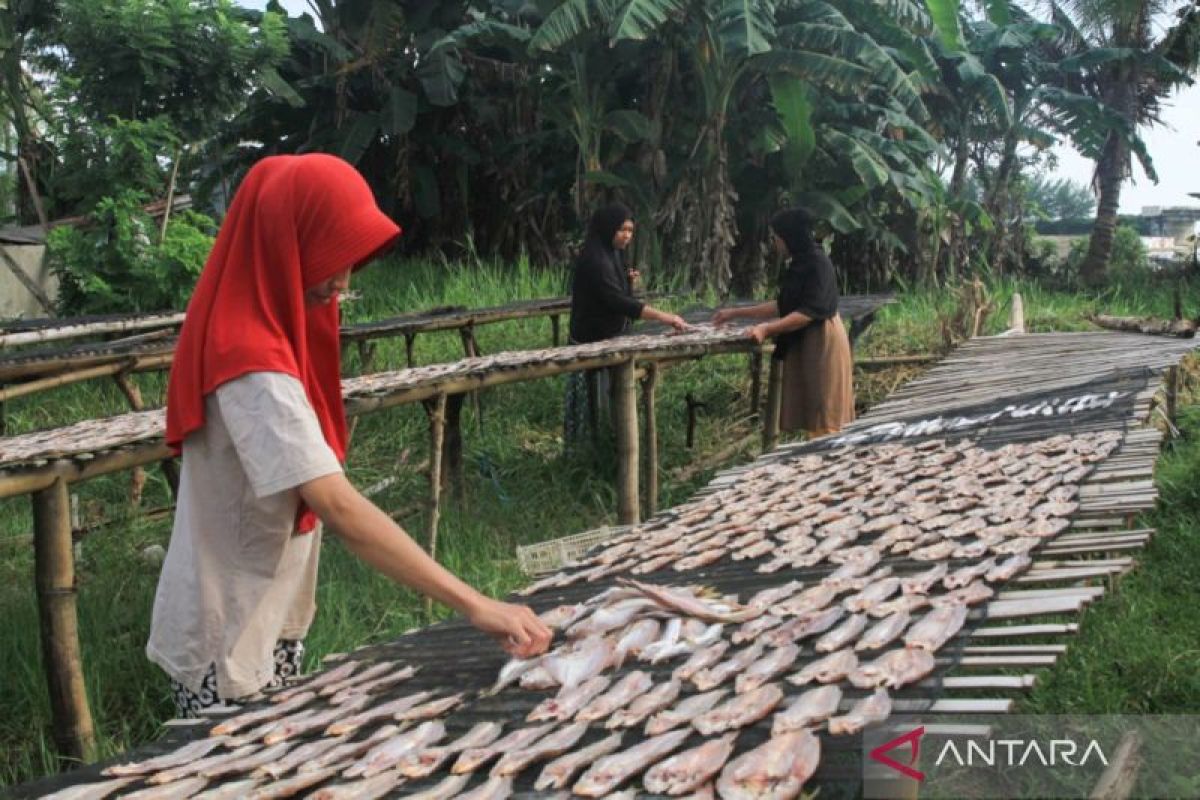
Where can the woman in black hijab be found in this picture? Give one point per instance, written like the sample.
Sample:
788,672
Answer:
818,390
602,306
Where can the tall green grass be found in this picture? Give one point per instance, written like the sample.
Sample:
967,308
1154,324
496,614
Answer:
518,488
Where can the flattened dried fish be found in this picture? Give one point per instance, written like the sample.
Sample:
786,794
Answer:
884,632
367,687
369,789
426,761
184,770
559,772
775,770
371,672
276,790
691,769
625,690
905,604
234,790
766,668
1046,527
872,709
969,595
843,634
560,741
450,787
290,728
301,755
719,673
536,678
684,713
749,631
872,596
609,618
475,757
1018,546
569,700
184,755
334,675
686,603
922,582
91,791
351,724
766,598
611,771
653,701
265,714
830,669
809,709
894,669
740,710
937,627
173,791
934,552
809,600
962,577
756,550
343,754
1009,568
636,638
702,659
512,670
812,624
573,668
391,751
702,559
492,789
247,763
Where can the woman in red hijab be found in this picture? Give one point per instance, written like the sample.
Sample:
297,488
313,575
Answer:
254,405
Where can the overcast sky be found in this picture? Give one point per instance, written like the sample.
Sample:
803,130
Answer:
1173,147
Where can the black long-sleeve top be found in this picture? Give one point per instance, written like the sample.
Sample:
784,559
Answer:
809,286
602,301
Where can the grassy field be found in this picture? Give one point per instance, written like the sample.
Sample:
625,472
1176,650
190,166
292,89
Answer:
519,490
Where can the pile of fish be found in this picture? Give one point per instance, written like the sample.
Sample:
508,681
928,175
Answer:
653,687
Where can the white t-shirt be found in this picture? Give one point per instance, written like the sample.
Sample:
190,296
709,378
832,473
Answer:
237,577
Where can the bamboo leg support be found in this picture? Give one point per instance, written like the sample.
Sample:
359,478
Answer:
554,328
471,348
774,404
409,341
1172,392
452,448
755,380
625,414
74,734
137,481
437,431
649,387
366,355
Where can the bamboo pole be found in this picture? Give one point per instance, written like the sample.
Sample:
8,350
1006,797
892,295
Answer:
72,331
471,348
74,734
133,395
452,449
1171,390
555,329
625,417
774,405
166,218
409,340
437,437
755,379
43,384
649,389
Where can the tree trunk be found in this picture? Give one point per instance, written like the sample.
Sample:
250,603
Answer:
1110,174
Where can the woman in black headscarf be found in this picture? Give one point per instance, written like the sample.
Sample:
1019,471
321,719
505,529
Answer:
818,390
603,306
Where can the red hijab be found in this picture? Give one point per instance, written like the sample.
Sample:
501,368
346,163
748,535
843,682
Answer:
295,222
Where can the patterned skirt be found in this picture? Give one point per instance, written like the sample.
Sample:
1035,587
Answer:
288,655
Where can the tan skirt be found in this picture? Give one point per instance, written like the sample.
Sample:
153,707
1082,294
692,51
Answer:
818,382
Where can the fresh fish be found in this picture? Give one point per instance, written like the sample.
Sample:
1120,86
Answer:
367,687
775,770
700,660
830,669
234,790
91,791
301,755
370,673
588,660
247,763
631,686
653,701
611,771
512,670
557,743
766,668
871,709
749,631
1008,569
172,791
894,669
389,752
719,673
809,709
635,639
568,701
766,598
475,757
685,603
185,770
562,616
536,678
740,710
937,627
872,596
559,772
288,729
842,635
609,618
367,789
275,790
265,714
450,787
184,755
385,710
667,639
420,763
963,576
691,769
812,624
684,712
320,681
345,754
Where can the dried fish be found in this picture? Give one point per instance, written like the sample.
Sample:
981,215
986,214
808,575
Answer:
569,700
247,763
368,789
937,627
1045,527
351,724
234,790
562,616
969,595
812,624
1018,546
390,752
344,754
934,552
573,668
557,743
426,761
700,660
91,791
871,709
609,618
755,550
635,639
624,691
294,785
976,548
341,672
749,631
512,670
884,632
691,769
1009,568
185,770
474,757
684,712
702,559
905,604
559,772
492,789
685,603
301,755
842,635
667,645
173,791
814,599
766,668
740,710
295,726
809,709
775,770
362,676
184,755
611,771
265,714
367,687
537,678
962,577
922,582
872,596
716,675
450,787
653,701
766,598
894,669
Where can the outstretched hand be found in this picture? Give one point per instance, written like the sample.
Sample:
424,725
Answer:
723,316
515,628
